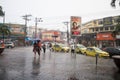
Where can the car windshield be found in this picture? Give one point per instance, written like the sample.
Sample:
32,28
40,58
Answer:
56,45
97,49
81,46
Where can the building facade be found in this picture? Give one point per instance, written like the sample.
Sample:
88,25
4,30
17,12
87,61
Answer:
49,36
17,34
99,32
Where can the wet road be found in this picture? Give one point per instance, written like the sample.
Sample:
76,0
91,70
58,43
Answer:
20,64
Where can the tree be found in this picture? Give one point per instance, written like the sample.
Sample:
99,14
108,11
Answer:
117,29
4,30
113,3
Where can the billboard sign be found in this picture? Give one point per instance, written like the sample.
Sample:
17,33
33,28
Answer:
75,26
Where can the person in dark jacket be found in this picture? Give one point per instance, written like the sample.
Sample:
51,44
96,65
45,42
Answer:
34,48
44,48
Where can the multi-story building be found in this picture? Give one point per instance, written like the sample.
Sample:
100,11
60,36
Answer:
99,32
32,33
49,36
17,34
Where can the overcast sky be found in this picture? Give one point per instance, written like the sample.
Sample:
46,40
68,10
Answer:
55,12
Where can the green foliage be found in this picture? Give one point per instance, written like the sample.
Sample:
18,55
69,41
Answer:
4,29
117,29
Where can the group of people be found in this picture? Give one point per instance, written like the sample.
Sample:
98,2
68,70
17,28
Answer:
37,47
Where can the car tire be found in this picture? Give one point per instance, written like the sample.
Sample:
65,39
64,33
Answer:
80,52
67,51
9,46
52,50
62,50
85,53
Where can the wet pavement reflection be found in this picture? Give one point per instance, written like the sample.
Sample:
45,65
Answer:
36,66
21,64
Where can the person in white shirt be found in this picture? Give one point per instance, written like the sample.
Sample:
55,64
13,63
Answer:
72,48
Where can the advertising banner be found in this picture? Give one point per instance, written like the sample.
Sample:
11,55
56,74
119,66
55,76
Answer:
17,29
104,36
75,26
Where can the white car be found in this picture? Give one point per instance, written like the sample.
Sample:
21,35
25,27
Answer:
9,45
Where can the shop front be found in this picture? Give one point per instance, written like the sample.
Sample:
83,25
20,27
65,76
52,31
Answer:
105,40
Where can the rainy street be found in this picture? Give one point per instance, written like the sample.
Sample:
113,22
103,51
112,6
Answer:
20,64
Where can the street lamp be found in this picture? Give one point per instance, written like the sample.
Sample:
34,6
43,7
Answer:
66,23
36,23
25,17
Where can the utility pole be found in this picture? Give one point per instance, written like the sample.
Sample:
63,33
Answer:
66,23
36,23
3,25
25,17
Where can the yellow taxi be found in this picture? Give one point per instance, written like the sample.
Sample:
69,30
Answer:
65,48
60,48
57,47
92,51
80,49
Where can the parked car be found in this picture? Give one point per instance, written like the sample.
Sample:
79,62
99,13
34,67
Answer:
92,51
56,47
80,49
65,48
112,51
9,45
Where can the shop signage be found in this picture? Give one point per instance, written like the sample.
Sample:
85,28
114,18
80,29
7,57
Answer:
104,36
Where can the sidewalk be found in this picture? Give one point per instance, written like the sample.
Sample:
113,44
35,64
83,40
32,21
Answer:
20,64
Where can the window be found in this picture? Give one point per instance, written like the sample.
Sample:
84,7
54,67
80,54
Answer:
100,22
95,22
101,28
116,19
96,29
93,29
106,28
112,28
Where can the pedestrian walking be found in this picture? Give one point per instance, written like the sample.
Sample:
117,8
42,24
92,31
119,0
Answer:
73,49
38,47
44,48
50,47
34,48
